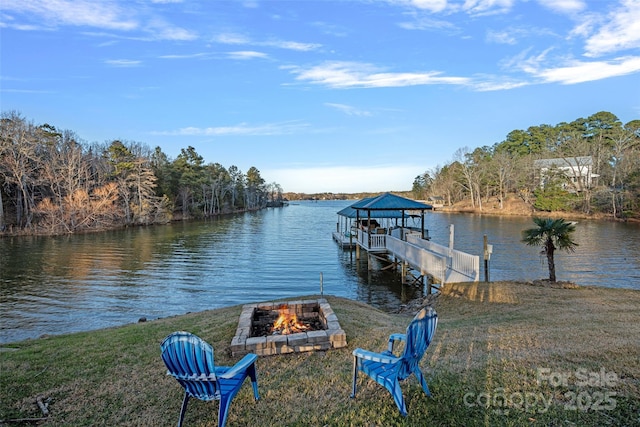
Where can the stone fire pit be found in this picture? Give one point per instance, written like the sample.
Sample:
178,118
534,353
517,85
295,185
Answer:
331,336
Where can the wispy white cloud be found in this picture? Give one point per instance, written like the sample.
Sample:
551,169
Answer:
422,11
239,39
430,5
343,75
162,30
564,6
487,7
247,54
620,32
123,63
581,71
231,38
349,109
569,70
332,29
513,35
496,83
199,55
501,37
107,15
421,22
525,61
8,21
282,44
585,26
242,129
251,4
27,91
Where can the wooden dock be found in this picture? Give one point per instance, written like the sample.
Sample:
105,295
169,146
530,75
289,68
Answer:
399,245
344,240
425,260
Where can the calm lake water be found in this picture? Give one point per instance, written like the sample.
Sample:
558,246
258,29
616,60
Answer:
54,285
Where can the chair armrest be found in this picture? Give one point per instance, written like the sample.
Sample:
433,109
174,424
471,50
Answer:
375,357
241,366
395,337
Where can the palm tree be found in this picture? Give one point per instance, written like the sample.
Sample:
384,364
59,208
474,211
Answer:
551,234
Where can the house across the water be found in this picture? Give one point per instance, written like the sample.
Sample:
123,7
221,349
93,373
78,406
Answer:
574,173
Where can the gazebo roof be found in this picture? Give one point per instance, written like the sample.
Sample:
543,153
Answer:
350,212
389,202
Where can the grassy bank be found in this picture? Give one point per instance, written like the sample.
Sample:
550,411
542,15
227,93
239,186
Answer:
504,354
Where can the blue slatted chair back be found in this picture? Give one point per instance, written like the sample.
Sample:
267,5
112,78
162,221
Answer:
419,335
188,357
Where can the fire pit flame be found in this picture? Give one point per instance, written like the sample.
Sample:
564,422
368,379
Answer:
287,324
311,325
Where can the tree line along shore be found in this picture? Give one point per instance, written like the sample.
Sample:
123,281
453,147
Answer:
53,182
589,166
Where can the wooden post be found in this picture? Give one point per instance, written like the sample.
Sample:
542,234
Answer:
486,259
451,233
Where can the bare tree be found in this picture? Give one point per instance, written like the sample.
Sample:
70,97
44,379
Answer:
65,167
81,211
19,164
625,158
472,166
218,187
461,157
445,183
236,184
502,168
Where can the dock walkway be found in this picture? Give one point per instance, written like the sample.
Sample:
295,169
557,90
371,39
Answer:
444,264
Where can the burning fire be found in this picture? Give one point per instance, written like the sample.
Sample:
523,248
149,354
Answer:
287,324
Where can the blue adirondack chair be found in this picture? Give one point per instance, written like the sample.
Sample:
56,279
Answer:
189,360
388,369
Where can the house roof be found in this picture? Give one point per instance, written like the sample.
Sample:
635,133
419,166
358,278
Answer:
564,162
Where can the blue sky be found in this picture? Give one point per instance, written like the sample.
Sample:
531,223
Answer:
340,96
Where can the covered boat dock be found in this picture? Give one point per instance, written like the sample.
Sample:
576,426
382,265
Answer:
376,222
380,229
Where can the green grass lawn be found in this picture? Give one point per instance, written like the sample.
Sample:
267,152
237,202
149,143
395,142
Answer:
504,354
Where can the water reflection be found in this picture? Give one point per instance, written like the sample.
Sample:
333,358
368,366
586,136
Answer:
71,283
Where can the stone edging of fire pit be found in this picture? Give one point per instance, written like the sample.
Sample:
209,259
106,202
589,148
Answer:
333,336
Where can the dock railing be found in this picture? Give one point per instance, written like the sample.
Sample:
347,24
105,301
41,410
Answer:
418,258
461,266
372,242
444,264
